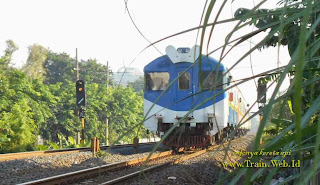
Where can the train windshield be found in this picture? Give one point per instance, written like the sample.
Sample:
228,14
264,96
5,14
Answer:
209,80
184,81
157,81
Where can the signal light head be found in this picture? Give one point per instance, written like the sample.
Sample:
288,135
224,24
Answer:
80,93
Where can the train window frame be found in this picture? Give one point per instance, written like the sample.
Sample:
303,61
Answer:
204,77
181,76
159,87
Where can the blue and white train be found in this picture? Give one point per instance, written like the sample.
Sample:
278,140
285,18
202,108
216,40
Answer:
173,90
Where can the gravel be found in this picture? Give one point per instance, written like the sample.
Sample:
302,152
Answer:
33,168
113,174
204,169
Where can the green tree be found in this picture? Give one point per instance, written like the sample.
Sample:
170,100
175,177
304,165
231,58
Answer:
280,117
41,100
287,34
126,114
35,62
59,68
11,48
296,25
93,72
138,84
122,106
24,108
64,119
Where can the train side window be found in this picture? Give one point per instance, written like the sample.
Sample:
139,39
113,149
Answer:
157,81
184,80
209,80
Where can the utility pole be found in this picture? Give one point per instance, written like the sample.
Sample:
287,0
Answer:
78,133
107,120
107,75
77,63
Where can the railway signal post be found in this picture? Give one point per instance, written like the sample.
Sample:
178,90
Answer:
81,103
262,90
262,97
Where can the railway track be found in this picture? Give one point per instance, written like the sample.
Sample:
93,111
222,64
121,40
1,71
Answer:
204,169
21,155
156,166
122,172
155,161
82,175
128,177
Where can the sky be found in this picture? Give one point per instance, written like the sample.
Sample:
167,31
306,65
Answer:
102,29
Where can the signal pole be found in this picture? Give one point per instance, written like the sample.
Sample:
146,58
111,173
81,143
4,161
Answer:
107,131
262,97
81,116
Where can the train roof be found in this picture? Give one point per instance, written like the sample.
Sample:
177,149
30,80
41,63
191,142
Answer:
182,57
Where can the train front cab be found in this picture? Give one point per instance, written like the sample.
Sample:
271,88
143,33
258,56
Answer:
198,128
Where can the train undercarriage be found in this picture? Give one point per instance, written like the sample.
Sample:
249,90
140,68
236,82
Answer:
186,136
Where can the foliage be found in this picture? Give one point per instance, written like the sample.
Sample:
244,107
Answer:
24,107
42,147
296,25
126,112
11,48
59,68
137,85
52,145
34,65
280,118
63,119
72,143
287,33
41,101
93,72
60,77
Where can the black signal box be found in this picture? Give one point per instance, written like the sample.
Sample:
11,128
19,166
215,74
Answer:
262,91
80,93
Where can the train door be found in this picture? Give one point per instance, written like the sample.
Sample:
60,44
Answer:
185,90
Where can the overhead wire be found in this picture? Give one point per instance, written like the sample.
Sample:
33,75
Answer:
249,42
250,56
203,11
135,25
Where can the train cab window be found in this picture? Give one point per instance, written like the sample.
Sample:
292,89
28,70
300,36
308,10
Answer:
157,81
184,80
209,80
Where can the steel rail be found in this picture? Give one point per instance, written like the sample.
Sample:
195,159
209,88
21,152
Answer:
21,155
184,158
81,175
134,174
